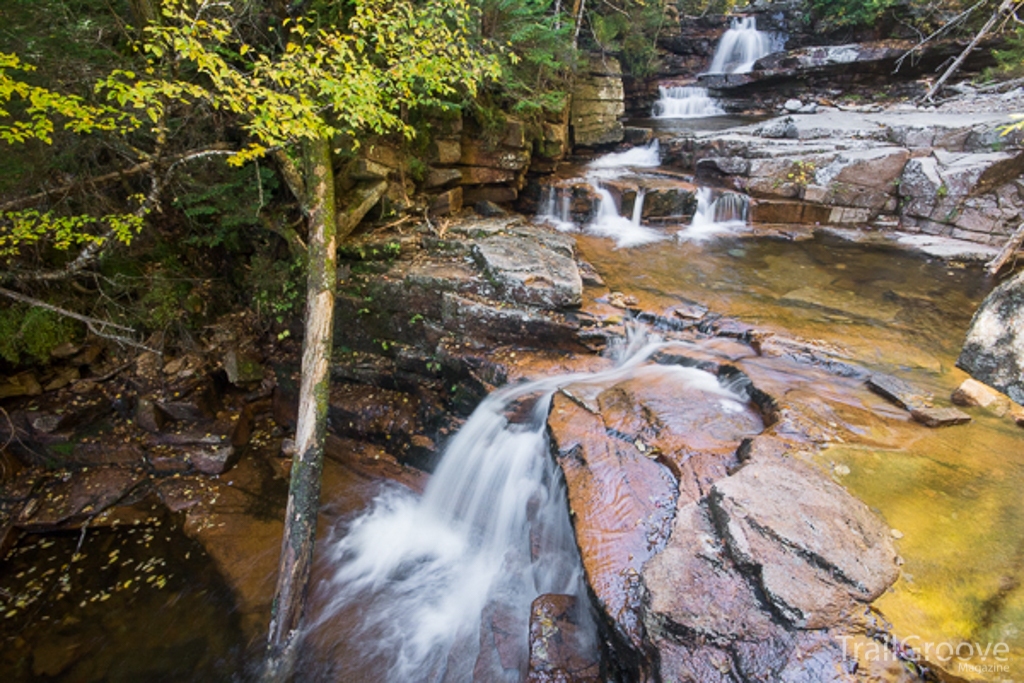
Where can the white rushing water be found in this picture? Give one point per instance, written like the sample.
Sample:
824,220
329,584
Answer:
489,535
740,47
685,102
607,222
554,209
627,232
648,156
726,213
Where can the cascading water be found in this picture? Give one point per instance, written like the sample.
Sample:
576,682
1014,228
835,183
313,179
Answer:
685,102
554,209
740,47
637,157
490,534
627,232
716,215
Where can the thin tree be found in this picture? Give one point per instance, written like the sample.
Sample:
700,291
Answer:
293,96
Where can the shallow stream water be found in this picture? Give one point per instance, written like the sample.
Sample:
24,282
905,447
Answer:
952,495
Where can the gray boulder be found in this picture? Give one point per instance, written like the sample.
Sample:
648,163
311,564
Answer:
993,352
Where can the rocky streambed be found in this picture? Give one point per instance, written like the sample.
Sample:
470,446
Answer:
717,493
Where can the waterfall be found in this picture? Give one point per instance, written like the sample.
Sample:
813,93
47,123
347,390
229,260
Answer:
637,157
554,209
638,206
627,232
415,578
716,215
740,47
685,102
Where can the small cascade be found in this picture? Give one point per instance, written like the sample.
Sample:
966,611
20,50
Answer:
717,215
415,579
685,102
638,157
740,47
638,206
627,232
554,208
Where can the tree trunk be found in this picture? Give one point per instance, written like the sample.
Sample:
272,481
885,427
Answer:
1012,245
304,490
144,13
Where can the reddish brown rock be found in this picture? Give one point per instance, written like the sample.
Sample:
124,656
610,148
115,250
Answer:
622,503
939,417
85,494
974,393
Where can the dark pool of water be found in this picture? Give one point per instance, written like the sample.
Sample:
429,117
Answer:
707,123
139,602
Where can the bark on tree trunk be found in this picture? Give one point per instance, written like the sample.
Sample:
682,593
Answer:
144,12
304,490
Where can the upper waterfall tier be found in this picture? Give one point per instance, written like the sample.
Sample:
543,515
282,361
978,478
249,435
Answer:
740,47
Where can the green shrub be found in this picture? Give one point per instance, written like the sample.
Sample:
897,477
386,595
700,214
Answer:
277,286
28,334
221,203
849,13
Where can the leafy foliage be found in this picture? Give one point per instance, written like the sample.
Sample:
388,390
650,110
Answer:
701,7
629,29
536,53
1011,59
21,228
852,13
324,82
222,204
276,286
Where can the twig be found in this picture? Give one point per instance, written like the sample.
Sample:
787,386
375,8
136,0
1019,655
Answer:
945,28
394,224
10,423
95,325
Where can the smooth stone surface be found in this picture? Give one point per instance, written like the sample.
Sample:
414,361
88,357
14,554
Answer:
993,351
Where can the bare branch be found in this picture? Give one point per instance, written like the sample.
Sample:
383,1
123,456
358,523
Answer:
1011,246
1006,7
95,325
942,30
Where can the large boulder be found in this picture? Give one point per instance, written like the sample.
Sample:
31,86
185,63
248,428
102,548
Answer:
994,349
630,452
528,272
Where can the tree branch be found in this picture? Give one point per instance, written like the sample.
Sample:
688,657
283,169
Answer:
95,325
292,177
92,250
1011,246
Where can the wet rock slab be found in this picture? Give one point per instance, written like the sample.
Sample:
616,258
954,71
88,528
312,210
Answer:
629,453
529,273
558,652
758,579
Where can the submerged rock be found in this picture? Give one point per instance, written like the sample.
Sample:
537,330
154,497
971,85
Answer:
559,653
